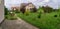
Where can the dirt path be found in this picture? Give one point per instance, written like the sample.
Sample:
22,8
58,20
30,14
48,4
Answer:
17,24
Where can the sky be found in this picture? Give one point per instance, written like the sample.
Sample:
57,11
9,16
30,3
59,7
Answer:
52,3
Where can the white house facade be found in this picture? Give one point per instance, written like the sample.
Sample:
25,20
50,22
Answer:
1,10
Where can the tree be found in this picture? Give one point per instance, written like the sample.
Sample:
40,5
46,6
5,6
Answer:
47,9
6,10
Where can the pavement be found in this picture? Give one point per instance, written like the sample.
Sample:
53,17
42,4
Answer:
16,24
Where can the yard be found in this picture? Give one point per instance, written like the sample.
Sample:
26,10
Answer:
40,20
46,20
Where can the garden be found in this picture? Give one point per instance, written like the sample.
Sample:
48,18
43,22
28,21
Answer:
43,19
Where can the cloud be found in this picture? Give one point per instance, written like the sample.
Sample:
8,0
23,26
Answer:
46,0
31,0
53,3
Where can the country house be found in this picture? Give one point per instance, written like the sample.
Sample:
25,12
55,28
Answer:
24,7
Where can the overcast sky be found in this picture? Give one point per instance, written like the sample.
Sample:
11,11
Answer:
37,3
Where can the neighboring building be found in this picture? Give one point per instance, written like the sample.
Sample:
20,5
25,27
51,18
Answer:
15,8
28,6
25,6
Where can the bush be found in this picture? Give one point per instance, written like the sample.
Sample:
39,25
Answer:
39,15
11,16
27,12
5,10
55,15
5,17
17,11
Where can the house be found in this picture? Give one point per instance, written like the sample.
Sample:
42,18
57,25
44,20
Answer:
13,8
1,10
27,6
24,7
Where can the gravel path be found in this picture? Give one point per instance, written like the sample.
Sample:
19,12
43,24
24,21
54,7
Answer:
17,24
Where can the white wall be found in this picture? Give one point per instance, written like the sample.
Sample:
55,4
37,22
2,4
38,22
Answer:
1,10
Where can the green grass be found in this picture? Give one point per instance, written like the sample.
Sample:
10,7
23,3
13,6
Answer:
47,20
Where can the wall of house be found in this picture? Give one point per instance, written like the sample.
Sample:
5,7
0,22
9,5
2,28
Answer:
31,8
1,10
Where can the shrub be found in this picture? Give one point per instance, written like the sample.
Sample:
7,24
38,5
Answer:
11,16
39,15
17,11
5,10
55,15
12,13
27,12
5,17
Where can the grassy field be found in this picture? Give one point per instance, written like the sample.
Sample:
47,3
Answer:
46,21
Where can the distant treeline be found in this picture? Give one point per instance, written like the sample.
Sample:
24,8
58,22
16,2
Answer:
47,9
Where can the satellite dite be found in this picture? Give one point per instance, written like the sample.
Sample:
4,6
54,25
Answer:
1,10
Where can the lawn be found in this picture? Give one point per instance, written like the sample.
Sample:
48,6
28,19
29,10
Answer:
46,21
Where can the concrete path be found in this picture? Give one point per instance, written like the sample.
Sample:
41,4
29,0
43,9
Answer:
0,27
17,24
